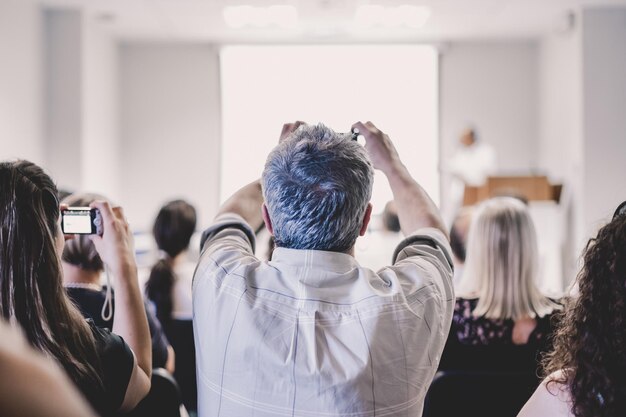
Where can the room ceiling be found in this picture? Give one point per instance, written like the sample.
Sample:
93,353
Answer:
322,21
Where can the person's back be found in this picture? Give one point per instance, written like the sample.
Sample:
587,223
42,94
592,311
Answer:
501,321
311,332
169,288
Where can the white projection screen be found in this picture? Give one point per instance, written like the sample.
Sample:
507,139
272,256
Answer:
394,86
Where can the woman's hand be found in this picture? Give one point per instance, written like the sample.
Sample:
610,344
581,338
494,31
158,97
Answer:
115,246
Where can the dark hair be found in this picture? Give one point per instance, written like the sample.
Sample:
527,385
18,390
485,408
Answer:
391,221
173,228
80,251
590,344
459,232
31,290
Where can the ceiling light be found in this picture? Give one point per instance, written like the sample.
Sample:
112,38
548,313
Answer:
238,17
372,15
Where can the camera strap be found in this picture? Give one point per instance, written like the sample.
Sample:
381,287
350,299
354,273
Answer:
107,307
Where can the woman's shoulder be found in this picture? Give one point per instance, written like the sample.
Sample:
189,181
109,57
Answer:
117,361
551,398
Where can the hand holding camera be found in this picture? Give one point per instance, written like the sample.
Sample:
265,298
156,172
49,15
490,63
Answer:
115,243
379,147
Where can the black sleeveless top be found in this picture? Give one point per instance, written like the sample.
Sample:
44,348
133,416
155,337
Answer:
116,366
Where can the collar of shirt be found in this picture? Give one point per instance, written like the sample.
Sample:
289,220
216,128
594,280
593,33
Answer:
315,259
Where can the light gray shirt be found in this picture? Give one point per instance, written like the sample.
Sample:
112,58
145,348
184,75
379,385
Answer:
312,333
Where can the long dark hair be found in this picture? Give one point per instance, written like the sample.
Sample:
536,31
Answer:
173,228
31,290
590,344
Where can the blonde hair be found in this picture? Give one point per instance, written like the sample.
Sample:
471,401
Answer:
502,263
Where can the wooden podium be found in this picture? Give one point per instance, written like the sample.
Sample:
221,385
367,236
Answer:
531,188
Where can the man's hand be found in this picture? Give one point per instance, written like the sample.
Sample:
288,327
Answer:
289,128
381,151
415,208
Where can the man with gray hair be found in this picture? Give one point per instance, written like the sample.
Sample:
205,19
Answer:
311,332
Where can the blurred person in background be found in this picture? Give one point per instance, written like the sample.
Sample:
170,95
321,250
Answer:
375,249
458,240
169,289
471,164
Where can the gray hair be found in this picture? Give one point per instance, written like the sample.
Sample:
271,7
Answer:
317,184
502,263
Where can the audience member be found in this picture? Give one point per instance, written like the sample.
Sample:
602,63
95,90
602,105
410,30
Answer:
472,163
169,284
501,320
391,222
82,278
169,287
374,250
312,332
587,369
32,385
100,363
458,240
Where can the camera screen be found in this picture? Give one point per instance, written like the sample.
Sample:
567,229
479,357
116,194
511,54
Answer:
77,221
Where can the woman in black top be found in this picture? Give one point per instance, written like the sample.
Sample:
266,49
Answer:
100,363
501,321
82,270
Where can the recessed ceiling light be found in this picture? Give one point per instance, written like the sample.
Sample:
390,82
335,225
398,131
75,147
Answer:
283,16
372,15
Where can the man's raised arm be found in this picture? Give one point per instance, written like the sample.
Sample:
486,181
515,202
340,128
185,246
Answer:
415,208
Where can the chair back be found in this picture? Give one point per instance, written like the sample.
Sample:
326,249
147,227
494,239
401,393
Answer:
180,335
477,393
164,398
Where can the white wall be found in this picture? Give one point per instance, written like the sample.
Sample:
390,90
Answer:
604,95
101,150
494,87
560,146
81,139
169,102
63,96
20,81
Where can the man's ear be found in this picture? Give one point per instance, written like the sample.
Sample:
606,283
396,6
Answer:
366,219
267,220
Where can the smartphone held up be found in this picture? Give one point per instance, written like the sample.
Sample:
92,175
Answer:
81,221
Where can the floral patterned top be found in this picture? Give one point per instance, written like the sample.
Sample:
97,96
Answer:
480,343
470,330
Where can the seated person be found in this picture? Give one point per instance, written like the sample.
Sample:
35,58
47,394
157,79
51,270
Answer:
587,369
458,240
101,364
82,278
169,288
501,321
312,332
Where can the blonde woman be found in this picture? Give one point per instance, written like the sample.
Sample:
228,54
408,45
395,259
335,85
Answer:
501,320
